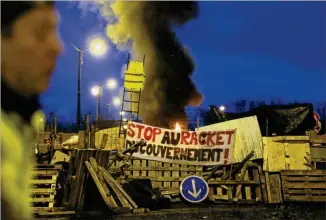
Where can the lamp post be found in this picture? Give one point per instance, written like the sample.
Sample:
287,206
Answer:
78,119
97,91
96,47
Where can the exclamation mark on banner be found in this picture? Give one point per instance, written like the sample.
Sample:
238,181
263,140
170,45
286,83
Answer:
226,156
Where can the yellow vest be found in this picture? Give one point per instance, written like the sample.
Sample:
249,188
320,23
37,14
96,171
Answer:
18,141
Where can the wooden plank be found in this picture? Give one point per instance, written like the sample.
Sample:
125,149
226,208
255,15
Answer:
274,187
305,198
136,165
304,191
124,202
46,209
77,164
242,175
83,179
45,172
221,182
152,173
304,185
40,181
183,168
175,173
167,173
303,172
108,199
57,213
257,189
159,175
41,199
107,176
80,175
143,164
263,186
38,191
247,188
304,178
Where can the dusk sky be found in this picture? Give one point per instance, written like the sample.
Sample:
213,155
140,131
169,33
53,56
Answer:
242,50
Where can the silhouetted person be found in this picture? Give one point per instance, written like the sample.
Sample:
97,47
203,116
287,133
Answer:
29,49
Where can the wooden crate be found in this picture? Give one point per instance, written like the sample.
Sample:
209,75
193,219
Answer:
304,185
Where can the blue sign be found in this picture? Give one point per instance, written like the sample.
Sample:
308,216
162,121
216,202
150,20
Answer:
194,189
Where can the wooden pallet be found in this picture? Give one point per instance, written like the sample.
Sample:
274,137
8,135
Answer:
304,185
167,177
77,174
43,187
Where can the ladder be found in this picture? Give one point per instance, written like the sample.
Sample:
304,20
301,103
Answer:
134,78
129,114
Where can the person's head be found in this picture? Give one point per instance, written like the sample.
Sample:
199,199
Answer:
29,45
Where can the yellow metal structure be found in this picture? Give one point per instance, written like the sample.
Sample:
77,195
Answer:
134,76
286,153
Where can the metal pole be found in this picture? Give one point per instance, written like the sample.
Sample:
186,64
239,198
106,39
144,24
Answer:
99,103
78,120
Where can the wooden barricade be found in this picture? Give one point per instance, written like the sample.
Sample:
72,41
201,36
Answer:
304,185
77,174
248,185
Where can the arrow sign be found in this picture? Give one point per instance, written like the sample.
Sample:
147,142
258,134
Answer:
194,189
194,192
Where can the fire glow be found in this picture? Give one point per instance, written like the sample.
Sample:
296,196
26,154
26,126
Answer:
177,127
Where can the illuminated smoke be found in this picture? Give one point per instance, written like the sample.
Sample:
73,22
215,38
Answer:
168,67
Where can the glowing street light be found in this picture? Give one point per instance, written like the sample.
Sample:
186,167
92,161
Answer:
222,108
116,101
98,47
95,90
111,83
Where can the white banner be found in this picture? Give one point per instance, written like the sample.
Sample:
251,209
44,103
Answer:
184,147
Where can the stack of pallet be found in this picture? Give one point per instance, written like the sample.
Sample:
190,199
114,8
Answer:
114,196
43,190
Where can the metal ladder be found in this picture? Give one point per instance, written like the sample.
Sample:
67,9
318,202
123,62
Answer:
129,114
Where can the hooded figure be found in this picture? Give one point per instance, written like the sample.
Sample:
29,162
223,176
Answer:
29,49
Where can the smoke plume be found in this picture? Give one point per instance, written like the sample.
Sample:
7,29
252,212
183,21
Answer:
168,67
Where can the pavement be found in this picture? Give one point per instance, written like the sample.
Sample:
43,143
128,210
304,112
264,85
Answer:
282,212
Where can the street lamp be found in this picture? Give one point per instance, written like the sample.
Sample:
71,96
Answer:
222,108
97,91
96,47
116,101
111,84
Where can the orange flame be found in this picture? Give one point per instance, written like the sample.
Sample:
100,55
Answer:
177,127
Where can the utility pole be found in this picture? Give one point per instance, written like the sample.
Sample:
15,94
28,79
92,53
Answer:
78,119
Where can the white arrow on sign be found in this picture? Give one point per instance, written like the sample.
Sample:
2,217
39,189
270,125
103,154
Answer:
194,192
